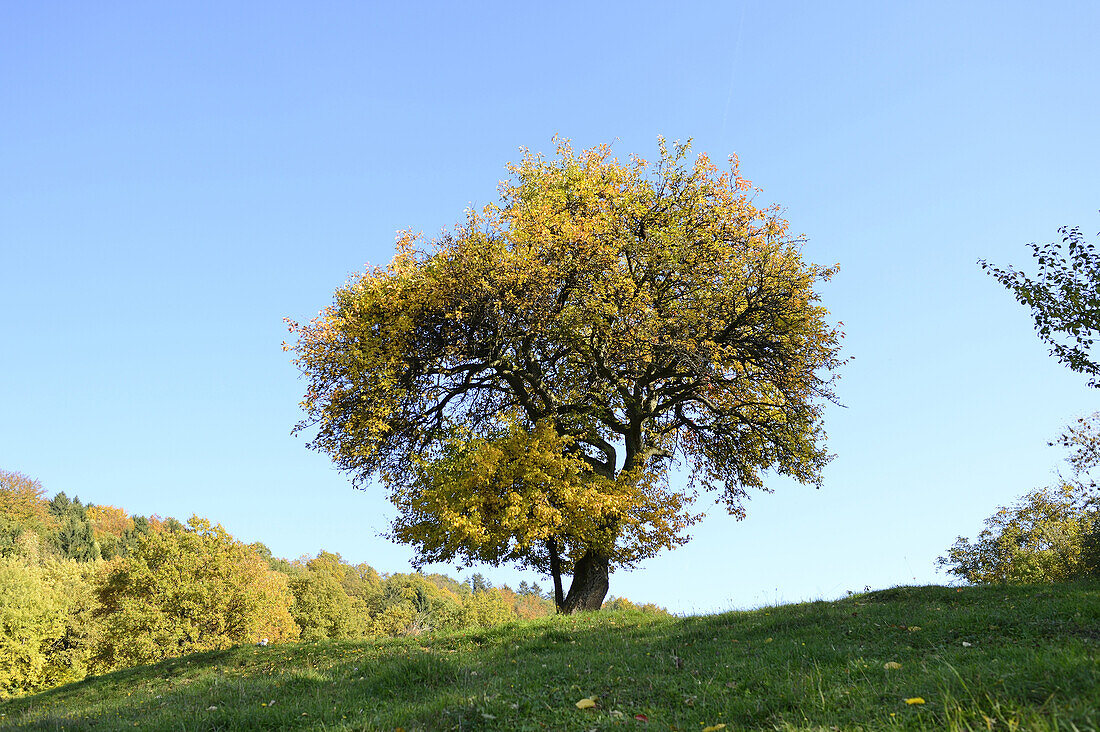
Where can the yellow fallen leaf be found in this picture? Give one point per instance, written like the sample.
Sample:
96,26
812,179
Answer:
891,665
768,640
915,700
586,703
714,728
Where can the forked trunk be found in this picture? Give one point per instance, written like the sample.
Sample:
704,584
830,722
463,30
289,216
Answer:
590,583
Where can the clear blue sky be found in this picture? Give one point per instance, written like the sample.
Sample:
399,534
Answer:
177,178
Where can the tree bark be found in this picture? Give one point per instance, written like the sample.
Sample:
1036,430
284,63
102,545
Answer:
590,583
555,573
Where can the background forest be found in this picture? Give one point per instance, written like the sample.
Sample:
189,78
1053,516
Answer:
86,589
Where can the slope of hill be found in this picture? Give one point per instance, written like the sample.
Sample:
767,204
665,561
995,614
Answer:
904,658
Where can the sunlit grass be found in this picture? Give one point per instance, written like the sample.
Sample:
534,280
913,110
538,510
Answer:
979,659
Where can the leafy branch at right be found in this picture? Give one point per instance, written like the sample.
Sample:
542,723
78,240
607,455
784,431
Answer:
1064,298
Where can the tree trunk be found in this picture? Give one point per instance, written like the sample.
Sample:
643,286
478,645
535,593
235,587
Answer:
590,583
555,573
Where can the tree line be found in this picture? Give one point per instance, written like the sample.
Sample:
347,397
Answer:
86,589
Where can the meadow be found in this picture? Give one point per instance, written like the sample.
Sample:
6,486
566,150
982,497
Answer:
960,658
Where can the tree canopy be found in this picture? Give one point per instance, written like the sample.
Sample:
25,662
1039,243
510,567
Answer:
1049,534
522,383
1064,298
189,590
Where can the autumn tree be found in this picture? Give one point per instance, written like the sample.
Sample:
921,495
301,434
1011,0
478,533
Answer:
188,590
1049,534
330,598
46,626
407,604
523,383
113,529
1064,297
323,609
358,580
1042,537
23,508
23,501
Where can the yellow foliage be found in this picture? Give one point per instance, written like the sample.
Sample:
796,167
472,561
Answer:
488,608
500,499
23,502
109,520
46,622
522,382
191,590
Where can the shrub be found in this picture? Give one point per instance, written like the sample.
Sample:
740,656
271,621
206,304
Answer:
1049,535
426,605
323,609
192,590
46,624
486,608
621,603
395,620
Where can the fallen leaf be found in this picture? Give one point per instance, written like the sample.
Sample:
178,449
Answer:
914,700
586,703
641,717
891,665
714,728
967,645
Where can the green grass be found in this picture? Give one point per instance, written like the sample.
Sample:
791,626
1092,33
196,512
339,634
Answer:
1033,663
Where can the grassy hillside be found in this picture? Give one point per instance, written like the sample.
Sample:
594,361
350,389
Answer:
979,658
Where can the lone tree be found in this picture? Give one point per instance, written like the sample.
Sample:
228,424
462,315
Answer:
1064,298
523,383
